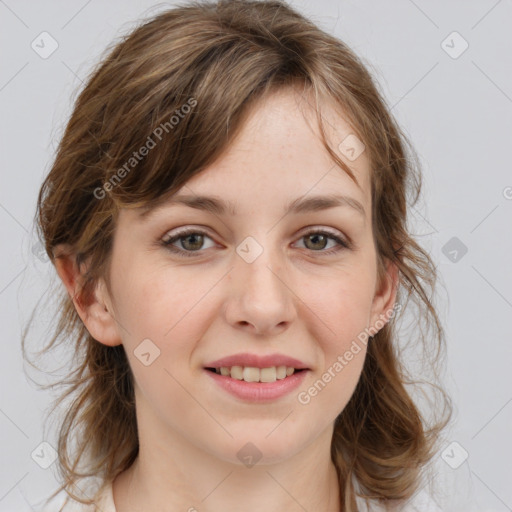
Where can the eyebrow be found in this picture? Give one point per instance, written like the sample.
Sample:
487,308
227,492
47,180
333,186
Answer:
218,206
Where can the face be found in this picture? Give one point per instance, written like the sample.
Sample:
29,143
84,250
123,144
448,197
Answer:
262,280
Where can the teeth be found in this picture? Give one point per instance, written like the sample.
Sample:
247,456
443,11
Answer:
252,374
268,374
237,372
281,372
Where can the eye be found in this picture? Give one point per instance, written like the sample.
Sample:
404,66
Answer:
190,240
317,240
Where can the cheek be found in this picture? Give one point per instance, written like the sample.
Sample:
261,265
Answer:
158,302
342,308
339,380
343,356
163,315
342,305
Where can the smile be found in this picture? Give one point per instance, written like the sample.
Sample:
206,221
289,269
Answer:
256,388
253,374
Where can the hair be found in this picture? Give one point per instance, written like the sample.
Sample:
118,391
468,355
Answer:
219,58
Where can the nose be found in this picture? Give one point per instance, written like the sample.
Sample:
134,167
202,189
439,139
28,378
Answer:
259,299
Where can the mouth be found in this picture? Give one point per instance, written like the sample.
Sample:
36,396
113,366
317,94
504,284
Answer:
252,384
254,374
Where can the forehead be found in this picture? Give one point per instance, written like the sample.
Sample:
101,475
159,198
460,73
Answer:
280,140
278,156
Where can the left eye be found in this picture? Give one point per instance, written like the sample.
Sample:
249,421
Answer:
191,242
320,239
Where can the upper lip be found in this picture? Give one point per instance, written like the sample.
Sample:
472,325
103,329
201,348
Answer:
256,361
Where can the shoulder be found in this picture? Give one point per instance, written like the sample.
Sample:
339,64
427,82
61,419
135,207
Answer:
442,489
103,502
420,502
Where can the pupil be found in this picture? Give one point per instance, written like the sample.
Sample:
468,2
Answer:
316,236
197,244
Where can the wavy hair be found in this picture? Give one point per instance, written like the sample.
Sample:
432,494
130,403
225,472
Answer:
225,56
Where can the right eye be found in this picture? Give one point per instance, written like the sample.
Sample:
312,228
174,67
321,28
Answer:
190,240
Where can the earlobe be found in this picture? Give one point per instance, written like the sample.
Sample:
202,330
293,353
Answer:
93,308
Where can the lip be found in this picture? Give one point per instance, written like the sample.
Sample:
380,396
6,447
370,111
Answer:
258,391
256,361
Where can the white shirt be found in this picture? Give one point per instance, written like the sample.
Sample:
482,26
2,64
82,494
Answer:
103,502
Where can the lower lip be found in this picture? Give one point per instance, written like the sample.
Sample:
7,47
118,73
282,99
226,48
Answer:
258,391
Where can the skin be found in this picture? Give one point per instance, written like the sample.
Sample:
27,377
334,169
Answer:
293,299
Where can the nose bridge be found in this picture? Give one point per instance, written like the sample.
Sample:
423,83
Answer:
258,264
259,296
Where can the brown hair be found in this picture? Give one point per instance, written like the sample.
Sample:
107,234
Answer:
224,56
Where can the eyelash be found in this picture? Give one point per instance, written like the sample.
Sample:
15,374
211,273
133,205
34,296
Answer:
343,244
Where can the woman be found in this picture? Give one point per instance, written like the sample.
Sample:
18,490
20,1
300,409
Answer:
227,213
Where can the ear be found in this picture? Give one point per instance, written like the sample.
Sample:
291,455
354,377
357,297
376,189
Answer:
95,308
385,296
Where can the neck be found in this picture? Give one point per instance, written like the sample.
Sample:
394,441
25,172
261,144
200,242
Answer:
177,475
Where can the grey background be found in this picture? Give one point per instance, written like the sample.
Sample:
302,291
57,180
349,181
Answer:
458,114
